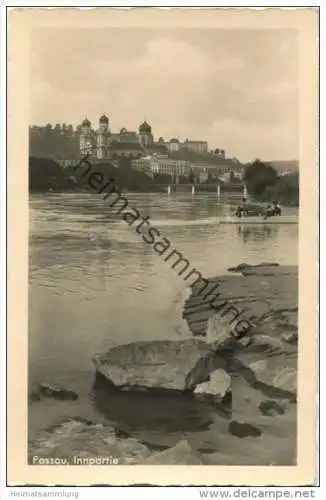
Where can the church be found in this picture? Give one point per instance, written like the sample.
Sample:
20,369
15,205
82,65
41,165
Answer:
103,144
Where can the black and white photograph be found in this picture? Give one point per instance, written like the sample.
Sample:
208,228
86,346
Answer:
164,205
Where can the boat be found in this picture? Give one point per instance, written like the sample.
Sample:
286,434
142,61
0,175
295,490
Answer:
259,219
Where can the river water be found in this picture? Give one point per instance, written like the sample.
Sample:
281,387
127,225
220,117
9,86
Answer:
94,282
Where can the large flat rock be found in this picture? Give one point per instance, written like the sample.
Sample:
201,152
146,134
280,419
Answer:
157,365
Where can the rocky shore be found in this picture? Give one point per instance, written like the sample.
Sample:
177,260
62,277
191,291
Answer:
251,379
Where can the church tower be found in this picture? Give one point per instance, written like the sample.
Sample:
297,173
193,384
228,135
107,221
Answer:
85,140
102,141
145,134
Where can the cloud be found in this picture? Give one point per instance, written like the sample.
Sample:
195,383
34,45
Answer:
271,142
210,86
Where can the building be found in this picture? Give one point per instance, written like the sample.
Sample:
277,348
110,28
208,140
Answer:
196,146
173,145
161,165
102,138
123,148
86,141
168,166
208,169
145,134
103,144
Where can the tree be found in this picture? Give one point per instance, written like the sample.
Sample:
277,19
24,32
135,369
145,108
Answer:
258,176
285,190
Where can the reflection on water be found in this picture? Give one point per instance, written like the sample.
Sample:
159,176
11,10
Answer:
257,233
95,283
170,413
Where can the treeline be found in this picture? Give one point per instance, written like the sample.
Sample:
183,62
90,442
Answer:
58,142
45,175
265,184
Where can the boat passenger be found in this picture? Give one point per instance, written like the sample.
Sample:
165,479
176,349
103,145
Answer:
276,208
269,212
242,210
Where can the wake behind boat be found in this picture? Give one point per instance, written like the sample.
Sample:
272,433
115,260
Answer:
259,219
227,219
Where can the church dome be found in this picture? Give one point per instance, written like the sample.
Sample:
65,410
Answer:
86,123
104,119
145,128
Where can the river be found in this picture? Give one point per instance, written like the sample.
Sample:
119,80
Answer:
94,282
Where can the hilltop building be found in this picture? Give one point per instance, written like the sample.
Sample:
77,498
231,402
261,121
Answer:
196,146
105,144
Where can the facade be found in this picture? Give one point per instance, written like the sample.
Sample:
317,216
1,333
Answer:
205,168
121,149
196,146
168,166
161,165
173,145
102,144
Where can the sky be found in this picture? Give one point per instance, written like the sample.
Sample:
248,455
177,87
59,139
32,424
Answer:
237,89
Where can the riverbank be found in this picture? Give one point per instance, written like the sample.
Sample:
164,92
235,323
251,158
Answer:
263,364
260,430
46,175
285,191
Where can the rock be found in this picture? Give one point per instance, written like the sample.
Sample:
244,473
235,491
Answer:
57,392
270,407
286,379
243,429
77,440
180,454
157,365
219,328
262,364
216,388
273,373
265,343
243,266
290,337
